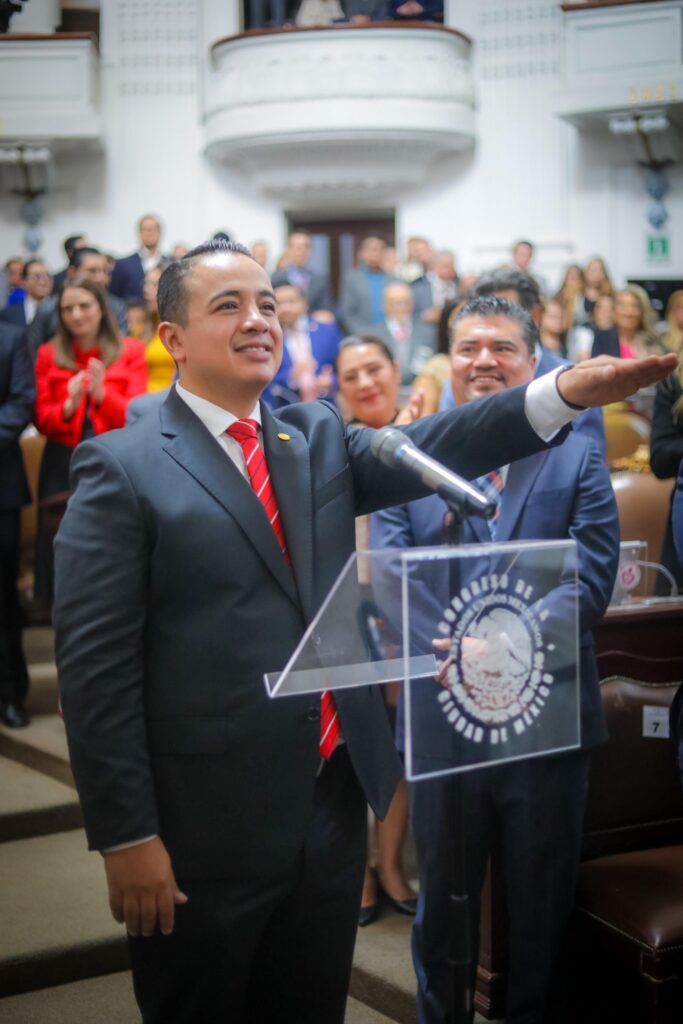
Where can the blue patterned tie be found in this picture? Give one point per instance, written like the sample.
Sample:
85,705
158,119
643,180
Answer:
492,486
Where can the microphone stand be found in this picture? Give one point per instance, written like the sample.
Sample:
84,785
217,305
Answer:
460,951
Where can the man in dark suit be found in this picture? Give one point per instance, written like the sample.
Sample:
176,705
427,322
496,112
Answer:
523,289
308,354
315,287
17,394
37,285
181,578
71,243
128,278
536,805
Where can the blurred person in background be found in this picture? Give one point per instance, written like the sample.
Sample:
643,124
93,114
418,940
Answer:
666,454
552,328
362,290
36,284
634,333
571,296
673,335
86,262
308,354
418,259
522,257
160,366
17,392
138,320
178,251
259,250
437,287
411,340
319,12
128,278
14,281
666,441
368,378
277,11
85,377
596,282
71,243
295,270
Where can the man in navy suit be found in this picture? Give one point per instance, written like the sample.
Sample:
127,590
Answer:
523,289
536,805
17,394
176,590
314,287
308,354
128,278
37,285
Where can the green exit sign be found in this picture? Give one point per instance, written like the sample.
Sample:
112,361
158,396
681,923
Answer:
658,248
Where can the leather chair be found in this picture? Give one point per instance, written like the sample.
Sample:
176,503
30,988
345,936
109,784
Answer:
643,504
624,432
629,904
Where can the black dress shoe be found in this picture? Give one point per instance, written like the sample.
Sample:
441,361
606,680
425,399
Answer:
13,714
367,915
408,907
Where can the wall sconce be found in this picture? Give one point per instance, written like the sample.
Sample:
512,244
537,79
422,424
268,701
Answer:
26,173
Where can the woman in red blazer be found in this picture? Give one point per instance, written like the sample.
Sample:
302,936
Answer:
85,377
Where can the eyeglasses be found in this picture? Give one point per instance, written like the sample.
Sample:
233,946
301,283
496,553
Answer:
38,277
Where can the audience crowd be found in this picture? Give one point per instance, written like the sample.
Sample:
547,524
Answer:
81,355
278,13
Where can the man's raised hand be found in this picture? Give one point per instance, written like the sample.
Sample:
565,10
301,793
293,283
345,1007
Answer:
605,379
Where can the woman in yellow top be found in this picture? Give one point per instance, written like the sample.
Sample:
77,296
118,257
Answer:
160,366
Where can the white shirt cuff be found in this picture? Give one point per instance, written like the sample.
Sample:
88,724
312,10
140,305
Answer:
127,846
545,410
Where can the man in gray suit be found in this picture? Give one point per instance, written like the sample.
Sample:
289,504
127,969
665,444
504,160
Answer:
176,590
412,341
361,305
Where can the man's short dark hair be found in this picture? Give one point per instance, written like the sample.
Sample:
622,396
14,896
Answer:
70,244
372,234
493,305
172,293
523,241
78,255
33,261
507,280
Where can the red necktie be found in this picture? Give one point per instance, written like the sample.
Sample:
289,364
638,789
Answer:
246,433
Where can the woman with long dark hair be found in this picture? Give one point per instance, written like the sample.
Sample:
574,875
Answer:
85,377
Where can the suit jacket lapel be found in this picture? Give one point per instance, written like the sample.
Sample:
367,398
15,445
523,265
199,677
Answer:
191,445
290,471
520,480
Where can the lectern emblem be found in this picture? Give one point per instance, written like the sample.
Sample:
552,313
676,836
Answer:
498,682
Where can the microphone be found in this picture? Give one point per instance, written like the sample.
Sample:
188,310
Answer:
395,449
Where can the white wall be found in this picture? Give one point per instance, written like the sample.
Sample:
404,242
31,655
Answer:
529,175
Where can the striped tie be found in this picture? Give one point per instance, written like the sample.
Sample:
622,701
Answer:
245,432
492,485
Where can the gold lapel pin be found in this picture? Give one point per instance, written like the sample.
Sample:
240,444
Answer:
284,437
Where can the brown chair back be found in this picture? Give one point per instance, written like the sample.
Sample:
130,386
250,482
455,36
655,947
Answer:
643,504
624,432
635,799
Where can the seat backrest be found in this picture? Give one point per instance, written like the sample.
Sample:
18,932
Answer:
635,799
643,505
624,432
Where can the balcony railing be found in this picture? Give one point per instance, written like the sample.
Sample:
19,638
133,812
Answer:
621,56
50,88
339,113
